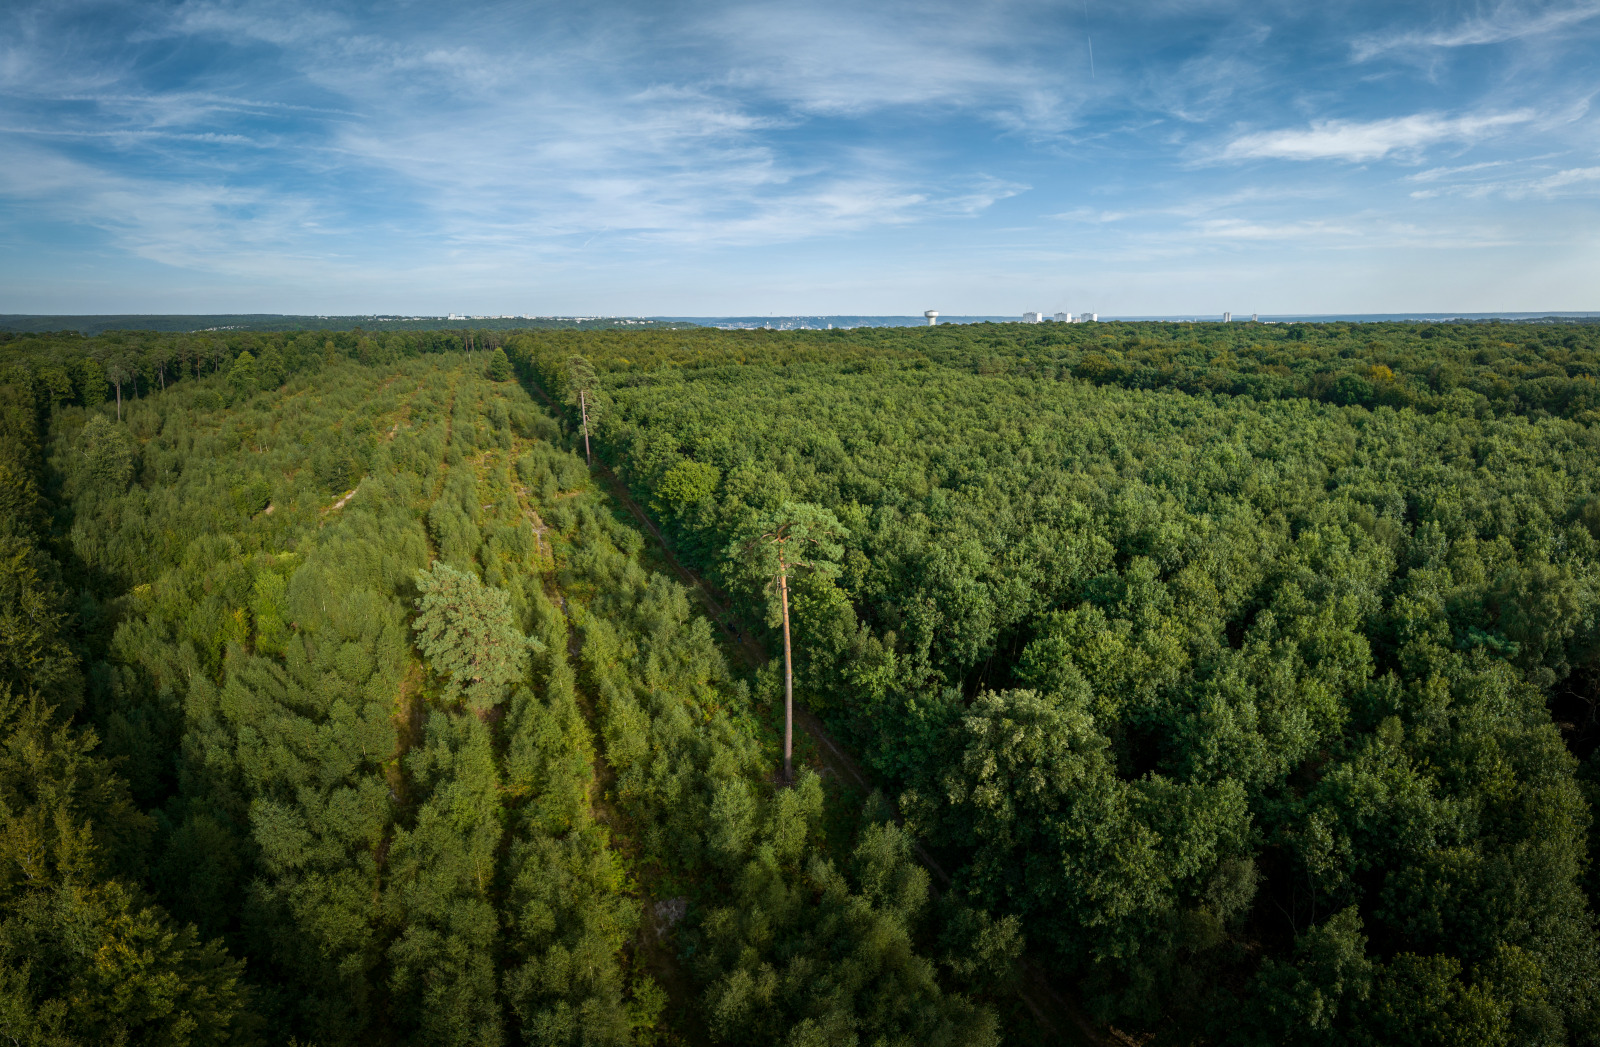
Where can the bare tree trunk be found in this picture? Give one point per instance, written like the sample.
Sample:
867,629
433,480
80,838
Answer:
788,680
583,405
119,400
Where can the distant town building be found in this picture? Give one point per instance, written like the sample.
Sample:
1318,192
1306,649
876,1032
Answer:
1063,318
1227,318
1254,318
1032,318
1089,318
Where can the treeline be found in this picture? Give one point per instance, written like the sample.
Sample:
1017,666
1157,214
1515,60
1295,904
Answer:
1477,368
410,734
1241,703
12,324
61,369
1481,369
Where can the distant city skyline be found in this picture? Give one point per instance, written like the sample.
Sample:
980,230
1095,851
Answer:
805,157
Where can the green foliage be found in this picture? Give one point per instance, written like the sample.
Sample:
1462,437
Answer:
93,965
242,375
785,947
1232,663
1177,638
108,456
580,374
685,487
91,382
465,629
805,953
784,541
34,655
85,956
391,865
499,367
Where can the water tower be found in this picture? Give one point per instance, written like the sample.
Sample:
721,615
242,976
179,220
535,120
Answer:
933,316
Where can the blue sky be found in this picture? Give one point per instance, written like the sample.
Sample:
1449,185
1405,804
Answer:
799,157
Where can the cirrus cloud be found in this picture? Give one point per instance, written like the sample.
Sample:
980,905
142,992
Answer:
1359,141
1504,23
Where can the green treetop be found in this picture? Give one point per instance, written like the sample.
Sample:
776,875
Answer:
465,629
796,536
499,366
242,375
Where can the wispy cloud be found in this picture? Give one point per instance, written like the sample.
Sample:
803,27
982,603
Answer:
1584,181
1574,176
839,58
1245,229
1506,22
1359,141
192,225
135,133
1434,174
191,102
368,144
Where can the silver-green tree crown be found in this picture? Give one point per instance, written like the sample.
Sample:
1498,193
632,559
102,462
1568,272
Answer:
466,630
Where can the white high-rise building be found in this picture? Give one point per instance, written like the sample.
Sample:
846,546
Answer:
1089,318
1227,318
1063,318
1032,318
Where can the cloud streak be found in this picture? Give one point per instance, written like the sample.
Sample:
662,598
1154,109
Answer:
1505,23
1360,141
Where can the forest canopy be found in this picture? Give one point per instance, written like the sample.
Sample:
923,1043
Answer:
1234,681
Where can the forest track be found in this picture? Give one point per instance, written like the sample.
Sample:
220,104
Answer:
1056,1013
341,503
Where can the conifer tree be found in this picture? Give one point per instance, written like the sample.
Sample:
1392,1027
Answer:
117,372
499,366
798,536
466,629
580,373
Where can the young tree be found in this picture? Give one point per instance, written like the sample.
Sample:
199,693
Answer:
798,536
110,455
581,374
499,366
467,630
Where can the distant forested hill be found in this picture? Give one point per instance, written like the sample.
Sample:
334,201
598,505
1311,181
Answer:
1242,676
22,323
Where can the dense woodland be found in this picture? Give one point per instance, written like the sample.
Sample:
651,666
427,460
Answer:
1242,676
341,709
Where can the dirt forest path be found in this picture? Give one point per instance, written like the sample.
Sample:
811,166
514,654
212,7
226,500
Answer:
1056,1014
